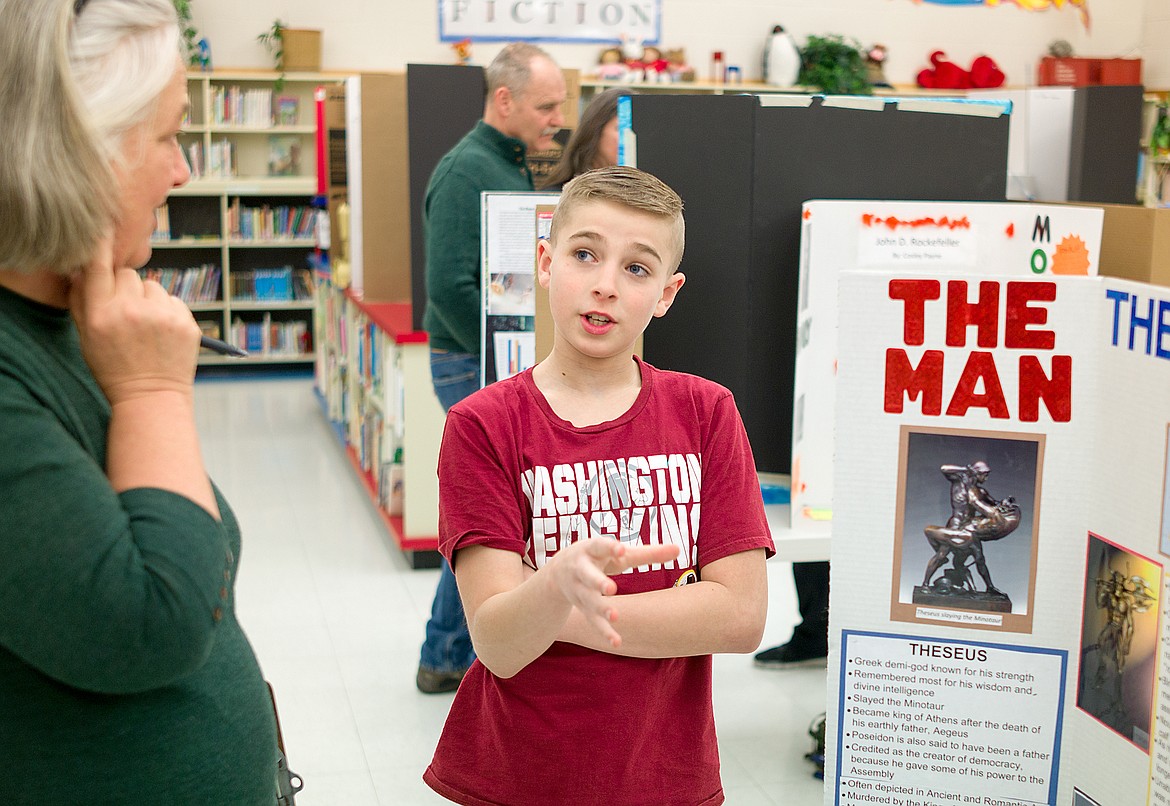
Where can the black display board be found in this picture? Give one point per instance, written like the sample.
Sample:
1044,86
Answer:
443,103
743,171
1106,141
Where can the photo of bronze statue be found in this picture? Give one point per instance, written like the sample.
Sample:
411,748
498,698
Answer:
1120,620
976,518
968,509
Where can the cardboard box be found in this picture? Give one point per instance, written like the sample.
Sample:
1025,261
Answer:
1121,71
301,50
1079,72
366,122
1067,72
1135,243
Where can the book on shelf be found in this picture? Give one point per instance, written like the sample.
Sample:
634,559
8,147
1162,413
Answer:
209,328
287,110
221,159
284,155
192,285
193,154
267,337
233,106
162,224
269,285
303,287
272,285
268,223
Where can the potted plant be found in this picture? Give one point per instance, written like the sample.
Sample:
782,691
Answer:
190,34
834,65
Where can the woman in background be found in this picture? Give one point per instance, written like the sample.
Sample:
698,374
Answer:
124,676
593,144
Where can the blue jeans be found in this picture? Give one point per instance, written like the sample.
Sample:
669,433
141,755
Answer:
447,647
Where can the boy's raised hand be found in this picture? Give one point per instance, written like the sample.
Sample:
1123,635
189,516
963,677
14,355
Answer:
581,573
136,338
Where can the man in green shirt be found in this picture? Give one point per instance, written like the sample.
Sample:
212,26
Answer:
523,110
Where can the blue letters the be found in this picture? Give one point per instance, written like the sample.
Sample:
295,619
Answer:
1118,297
1136,321
1163,329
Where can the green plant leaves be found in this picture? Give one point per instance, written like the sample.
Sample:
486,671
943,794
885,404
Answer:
834,65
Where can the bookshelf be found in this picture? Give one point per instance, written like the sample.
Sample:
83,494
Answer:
373,379
238,237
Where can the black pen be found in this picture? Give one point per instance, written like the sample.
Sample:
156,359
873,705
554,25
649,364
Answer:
222,347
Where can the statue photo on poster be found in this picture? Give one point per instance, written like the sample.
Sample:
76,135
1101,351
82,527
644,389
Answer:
1119,640
964,547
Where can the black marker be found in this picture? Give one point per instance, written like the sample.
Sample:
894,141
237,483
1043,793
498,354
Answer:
222,347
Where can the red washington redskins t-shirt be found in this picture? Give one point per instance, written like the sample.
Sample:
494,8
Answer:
578,726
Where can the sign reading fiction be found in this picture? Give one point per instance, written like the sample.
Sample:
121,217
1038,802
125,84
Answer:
550,20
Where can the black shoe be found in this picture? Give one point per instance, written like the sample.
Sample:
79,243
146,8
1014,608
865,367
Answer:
432,682
789,656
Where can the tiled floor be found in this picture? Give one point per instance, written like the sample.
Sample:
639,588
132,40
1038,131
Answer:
336,617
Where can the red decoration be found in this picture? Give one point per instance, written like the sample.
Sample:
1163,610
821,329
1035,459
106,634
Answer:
946,75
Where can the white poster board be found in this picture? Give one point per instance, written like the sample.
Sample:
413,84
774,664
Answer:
508,237
1017,611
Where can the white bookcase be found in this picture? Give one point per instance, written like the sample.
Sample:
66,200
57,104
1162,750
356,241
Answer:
374,381
254,159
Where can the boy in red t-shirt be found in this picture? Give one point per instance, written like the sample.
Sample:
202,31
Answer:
569,507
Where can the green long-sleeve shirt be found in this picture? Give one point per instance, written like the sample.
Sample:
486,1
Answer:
124,676
485,159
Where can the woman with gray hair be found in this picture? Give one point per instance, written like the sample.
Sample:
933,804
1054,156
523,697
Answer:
124,676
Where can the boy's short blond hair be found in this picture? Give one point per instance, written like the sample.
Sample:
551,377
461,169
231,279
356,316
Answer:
627,187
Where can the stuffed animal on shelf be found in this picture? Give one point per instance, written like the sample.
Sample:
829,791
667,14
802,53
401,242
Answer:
676,60
781,58
946,75
875,59
653,66
611,65
985,73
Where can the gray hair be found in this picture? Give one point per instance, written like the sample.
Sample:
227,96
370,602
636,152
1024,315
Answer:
71,86
512,67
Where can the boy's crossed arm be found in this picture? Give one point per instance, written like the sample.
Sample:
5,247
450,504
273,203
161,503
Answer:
724,612
516,614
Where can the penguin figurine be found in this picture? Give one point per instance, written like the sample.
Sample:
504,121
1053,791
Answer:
781,58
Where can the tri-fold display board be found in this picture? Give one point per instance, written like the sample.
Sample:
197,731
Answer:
998,613
744,165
